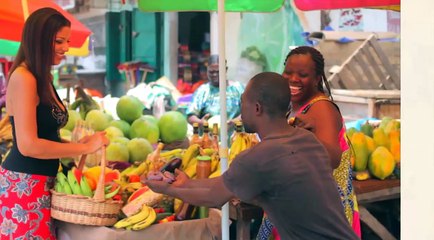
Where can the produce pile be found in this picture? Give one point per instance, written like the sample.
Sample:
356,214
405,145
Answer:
376,149
138,150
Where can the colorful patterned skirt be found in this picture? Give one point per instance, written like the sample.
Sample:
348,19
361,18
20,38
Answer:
25,206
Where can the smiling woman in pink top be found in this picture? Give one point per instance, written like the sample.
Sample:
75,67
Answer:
313,109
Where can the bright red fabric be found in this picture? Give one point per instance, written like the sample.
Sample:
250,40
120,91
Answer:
25,202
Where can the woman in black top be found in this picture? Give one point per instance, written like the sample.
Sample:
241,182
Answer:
36,114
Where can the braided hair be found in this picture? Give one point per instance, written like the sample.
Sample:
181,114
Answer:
318,59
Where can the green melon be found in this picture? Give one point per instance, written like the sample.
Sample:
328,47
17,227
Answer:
173,127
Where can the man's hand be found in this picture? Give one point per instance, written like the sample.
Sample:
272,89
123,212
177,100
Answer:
157,186
180,178
304,122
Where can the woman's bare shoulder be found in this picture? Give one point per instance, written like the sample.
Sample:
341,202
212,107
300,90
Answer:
325,107
22,74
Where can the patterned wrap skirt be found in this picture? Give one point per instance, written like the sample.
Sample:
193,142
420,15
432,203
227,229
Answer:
25,202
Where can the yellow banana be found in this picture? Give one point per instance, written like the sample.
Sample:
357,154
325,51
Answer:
217,172
169,154
191,152
140,216
191,171
128,170
146,222
134,185
143,167
215,161
247,141
235,147
4,121
176,204
192,162
209,151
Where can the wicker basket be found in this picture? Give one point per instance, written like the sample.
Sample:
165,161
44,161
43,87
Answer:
84,210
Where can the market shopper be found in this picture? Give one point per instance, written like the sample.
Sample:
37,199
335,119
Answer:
287,174
206,99
313,109
36,114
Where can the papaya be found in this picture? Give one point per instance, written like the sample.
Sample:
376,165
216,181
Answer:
392,125
395,134
361,152
350,132
381,163
380,137
395,149
384,121
367,129
370,144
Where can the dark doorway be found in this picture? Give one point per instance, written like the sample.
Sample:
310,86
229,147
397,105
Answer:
193,28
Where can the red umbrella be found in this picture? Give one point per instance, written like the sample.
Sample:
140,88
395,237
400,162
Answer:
14,12
307,5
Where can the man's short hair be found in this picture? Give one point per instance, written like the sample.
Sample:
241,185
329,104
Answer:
271,90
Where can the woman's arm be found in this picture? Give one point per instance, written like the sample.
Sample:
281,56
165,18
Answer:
22,93
325,121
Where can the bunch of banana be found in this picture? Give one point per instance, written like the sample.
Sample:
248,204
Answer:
167,155
242,141
215,162
141,220
148,198
217,172
5,129
128,187
191,169
62,185
136,169
190,154
207,151
70,185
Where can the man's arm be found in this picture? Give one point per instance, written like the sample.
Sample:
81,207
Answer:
200,192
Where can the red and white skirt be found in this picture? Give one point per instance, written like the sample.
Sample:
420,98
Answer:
25,202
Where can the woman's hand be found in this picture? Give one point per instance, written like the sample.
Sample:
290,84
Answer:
303,122
95,141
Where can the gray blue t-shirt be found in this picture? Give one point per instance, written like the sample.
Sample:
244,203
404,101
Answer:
290,177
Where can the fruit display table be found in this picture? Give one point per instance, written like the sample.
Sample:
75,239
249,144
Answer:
207,228
243,213
368,191
372,191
